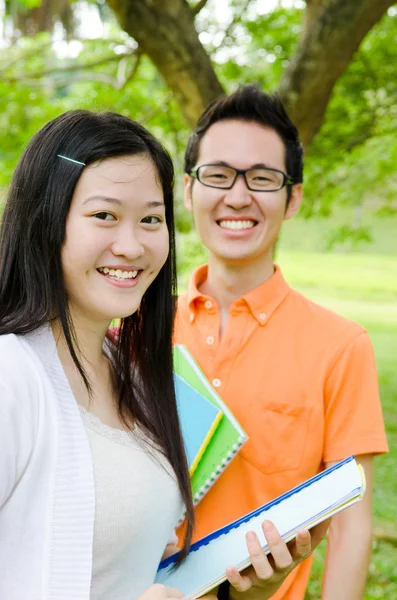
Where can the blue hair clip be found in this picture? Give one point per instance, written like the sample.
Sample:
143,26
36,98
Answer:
77,162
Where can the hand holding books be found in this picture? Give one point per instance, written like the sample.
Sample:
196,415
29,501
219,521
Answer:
304,506
268,571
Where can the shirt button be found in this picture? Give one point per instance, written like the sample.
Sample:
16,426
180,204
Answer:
216,382
262,317
208,304
191,317
210,340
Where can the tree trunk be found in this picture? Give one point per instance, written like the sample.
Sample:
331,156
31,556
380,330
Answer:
31,21
325,51
164,30
332,32
313,9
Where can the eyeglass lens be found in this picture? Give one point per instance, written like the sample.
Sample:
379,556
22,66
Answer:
257,179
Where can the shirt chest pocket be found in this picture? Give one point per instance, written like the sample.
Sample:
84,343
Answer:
278,434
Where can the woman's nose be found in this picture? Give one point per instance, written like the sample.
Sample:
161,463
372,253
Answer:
128,244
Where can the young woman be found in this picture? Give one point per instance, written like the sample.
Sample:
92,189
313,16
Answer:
93,476
93,473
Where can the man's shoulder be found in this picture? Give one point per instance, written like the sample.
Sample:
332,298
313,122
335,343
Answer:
316,317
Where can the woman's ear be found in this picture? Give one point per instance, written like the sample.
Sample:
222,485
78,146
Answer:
294,201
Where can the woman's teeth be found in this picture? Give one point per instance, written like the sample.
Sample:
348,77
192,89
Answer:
237,224
118,273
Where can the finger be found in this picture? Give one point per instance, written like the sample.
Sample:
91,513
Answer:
259,560
319,532
301,547
240,582
277,547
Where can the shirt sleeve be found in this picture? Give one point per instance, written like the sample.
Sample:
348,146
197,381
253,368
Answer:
353,413
15,444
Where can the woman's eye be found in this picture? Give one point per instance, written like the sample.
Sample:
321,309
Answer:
104,216
152,220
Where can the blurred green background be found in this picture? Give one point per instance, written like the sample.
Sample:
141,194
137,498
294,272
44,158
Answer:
341,250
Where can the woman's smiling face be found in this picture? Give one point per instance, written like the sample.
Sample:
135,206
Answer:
116,238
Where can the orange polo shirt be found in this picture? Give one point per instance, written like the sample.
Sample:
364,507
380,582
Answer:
301,381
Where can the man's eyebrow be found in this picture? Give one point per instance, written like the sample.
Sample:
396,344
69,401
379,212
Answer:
256,166
111,200
262,166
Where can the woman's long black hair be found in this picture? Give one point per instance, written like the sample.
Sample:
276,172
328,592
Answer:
32,289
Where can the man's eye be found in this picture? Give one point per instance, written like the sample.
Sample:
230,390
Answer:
152,220
261,178
217,176
104,216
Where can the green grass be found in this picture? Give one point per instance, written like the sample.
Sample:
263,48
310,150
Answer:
362,287
313,235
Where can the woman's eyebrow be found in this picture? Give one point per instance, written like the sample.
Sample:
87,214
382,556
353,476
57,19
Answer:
103,198
111,200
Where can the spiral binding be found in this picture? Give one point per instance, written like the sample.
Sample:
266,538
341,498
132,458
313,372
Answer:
218,471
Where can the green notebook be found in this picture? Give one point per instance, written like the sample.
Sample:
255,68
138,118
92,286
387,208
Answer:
228,437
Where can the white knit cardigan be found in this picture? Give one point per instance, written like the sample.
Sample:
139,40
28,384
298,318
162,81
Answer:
45,471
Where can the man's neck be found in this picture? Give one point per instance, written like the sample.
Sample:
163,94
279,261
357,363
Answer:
225,283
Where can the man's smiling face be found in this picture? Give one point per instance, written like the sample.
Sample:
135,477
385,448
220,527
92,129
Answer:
240,226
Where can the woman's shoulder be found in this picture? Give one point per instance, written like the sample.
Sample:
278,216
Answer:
12,349
19,371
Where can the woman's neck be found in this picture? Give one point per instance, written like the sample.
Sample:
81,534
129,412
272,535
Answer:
101,399
89,340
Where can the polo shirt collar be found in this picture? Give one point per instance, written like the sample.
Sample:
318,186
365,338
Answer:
261,301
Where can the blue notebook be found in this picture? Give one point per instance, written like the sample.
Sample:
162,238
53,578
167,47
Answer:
227,439
198,418
304,506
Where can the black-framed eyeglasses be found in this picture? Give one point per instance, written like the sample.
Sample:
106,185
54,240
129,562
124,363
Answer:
257,179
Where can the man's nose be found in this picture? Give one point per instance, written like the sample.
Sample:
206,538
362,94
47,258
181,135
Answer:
239,195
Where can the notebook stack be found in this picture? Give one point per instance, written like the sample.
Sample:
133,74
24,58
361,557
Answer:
211,434
306,505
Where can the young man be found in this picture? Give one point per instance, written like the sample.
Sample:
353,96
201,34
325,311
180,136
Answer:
301,380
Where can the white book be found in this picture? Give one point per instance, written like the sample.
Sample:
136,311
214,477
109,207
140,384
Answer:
306,505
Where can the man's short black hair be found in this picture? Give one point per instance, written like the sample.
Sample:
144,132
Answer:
252,105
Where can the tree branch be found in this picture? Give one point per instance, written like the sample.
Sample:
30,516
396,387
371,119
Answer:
198,7
312,11
64,69
22,56
126,77
322,56
38,50
60,83
165,32
236,18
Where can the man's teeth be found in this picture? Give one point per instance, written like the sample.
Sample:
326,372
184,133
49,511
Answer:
118,273
237,224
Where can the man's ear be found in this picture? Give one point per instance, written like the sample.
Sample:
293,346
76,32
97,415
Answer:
295,201
188,184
